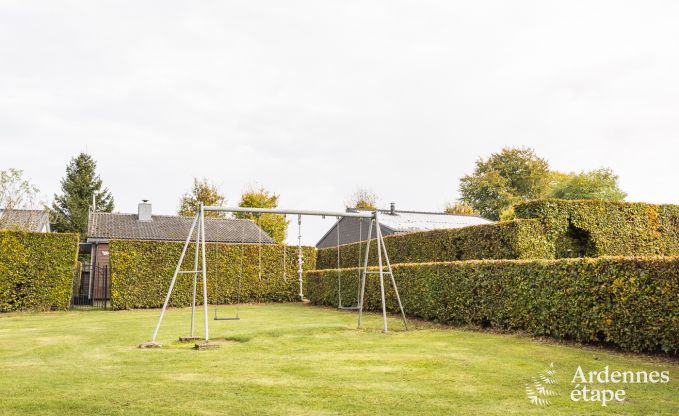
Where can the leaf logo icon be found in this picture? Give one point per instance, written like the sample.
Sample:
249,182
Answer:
537,391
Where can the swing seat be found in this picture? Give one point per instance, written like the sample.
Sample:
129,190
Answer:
348,308
219,318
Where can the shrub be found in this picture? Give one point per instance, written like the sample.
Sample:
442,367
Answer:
517,239
590,228
36,270
141,272
630,302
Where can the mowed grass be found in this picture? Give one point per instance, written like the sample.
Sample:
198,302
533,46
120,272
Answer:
294,359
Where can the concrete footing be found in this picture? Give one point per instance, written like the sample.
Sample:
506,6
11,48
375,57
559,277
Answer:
189,339
206,346
150,344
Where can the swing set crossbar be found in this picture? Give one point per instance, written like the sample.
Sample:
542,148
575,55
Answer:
290,212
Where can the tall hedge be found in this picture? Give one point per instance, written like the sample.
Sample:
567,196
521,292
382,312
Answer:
141,272
630,302
36,270
517,239
605,228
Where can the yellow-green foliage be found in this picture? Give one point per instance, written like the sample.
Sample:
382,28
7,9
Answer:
630,302
605,228
141,272
36,270
517,239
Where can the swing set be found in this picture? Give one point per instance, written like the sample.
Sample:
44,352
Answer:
200,267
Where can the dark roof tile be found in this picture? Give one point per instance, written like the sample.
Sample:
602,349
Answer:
34,220
172,228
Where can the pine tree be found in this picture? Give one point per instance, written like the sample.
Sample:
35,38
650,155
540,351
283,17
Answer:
81,183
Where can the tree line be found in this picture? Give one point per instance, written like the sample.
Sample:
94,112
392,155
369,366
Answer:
515,175
497,183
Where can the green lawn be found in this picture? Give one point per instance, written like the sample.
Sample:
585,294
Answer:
294,359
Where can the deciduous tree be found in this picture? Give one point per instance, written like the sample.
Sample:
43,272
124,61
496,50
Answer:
363,198
16,193
460,208
274,225
507,177
597,184
204,192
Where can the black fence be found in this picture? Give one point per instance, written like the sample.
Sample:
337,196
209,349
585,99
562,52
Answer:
91,287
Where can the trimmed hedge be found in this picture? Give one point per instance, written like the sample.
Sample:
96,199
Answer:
141,272
630,302
517,239
591,228
36,270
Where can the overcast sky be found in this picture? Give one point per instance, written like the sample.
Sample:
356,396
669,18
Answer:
312,98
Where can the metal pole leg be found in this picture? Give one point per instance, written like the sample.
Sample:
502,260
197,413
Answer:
195,281
363,275
300,260
393,282
169,291
379,262
202,237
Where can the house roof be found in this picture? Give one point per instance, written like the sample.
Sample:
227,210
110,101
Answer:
356,229
34,220
350,230
107,226
409,221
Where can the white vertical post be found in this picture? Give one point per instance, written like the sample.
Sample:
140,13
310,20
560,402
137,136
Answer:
300,259
339,271
364,273
174,277
393,280
202,235
360,238
195,281
379,262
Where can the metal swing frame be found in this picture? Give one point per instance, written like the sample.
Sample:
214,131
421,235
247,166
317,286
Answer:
198,224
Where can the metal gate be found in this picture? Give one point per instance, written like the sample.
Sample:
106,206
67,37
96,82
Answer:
91,287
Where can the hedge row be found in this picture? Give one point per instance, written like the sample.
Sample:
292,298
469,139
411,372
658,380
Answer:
517,239
36,270
630,302
605,228
141,272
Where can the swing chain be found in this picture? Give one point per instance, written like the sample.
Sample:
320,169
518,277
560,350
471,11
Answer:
285,264
300,259
260,252
339,272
